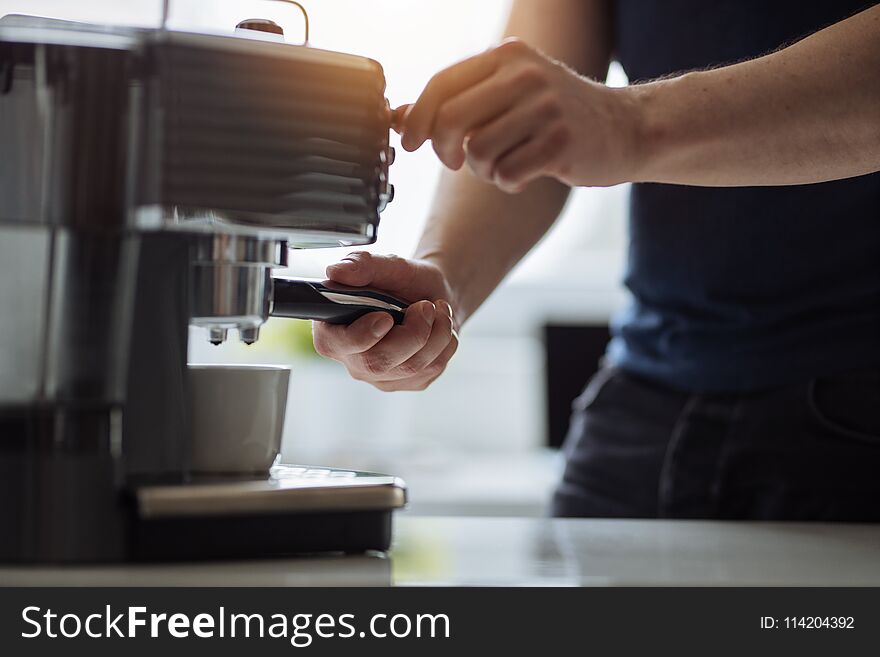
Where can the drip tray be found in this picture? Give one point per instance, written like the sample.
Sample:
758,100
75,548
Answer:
295,510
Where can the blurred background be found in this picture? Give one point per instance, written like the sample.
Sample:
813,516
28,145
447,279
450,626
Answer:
481,440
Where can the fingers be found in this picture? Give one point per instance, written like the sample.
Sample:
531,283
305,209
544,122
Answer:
356,269
532,160
372,348
420,362
338,342
428,375
398,118
408,357
489,111
400,344
477,106
389,273
490,143
444,85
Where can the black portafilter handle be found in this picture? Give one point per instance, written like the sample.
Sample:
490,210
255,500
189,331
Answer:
298,298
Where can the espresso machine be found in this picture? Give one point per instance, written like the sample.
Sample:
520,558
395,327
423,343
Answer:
152,180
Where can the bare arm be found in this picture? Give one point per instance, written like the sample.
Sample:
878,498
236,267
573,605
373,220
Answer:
807,113
477,233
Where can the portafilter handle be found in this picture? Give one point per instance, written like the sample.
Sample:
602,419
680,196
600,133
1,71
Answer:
324,301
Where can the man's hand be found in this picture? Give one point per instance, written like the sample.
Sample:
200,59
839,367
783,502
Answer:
405,357
803,114
515,115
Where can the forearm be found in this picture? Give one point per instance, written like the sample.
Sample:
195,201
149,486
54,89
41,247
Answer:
807,113
476,234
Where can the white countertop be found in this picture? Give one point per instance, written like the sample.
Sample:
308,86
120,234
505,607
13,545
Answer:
528,551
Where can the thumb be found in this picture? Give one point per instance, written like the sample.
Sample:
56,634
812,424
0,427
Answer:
359,269
398,118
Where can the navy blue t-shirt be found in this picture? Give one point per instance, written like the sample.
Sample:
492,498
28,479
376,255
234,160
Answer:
742,288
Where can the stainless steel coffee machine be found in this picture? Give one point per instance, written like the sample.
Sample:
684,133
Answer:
151,180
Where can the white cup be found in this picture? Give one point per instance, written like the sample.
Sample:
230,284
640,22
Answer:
237,417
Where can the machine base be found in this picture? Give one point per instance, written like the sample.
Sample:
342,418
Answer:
273,535
295,510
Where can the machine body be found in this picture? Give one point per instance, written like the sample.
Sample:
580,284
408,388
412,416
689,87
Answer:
150,181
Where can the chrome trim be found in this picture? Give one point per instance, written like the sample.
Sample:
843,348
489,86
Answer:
346,298
272,496
259,47
230,296
241,249
50,36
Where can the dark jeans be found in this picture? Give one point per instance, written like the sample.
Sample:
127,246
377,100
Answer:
637,449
